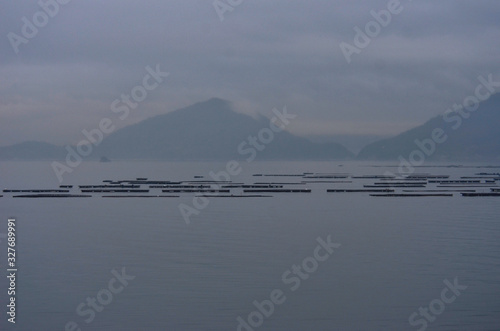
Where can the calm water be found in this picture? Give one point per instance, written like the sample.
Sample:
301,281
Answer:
395,253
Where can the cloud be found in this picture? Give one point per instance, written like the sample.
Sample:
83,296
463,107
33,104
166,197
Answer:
264,54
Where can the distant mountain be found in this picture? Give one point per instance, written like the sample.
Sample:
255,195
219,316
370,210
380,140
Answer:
208,130
32,150
471,136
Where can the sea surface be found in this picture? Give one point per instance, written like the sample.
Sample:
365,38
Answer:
396,255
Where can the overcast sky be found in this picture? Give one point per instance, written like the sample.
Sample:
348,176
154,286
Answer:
264,54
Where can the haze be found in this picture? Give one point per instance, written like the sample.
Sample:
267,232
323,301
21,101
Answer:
264,54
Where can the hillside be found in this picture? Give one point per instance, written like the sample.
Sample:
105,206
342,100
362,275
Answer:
208,130
471,136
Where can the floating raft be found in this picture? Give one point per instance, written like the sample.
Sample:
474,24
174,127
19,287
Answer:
491,194
343,174
395,186
52,196
236,196
210,182
327,181
36,191
194,191
471,185
284,190
455,181
274,183
325,177
149,182
252,186
411,195
439,190
113,191
357,191
373,177
283,175
140,196
401,183
429,176
108,186
146,182
180,186
406,179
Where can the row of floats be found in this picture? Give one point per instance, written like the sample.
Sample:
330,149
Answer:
416,185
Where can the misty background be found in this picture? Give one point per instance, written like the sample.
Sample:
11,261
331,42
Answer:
262,55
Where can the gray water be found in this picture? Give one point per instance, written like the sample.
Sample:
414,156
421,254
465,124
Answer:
394,257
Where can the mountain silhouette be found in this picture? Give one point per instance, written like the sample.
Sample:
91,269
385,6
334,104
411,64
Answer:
470,136
209,130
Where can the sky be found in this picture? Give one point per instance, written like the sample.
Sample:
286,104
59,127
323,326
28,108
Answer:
64,77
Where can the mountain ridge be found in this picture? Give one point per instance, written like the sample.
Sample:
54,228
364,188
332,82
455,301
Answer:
467,136
212,130
209,130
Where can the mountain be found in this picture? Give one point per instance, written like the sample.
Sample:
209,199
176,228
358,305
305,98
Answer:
467,136
32,150
210,130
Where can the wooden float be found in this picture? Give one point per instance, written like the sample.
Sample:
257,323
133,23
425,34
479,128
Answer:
411,195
